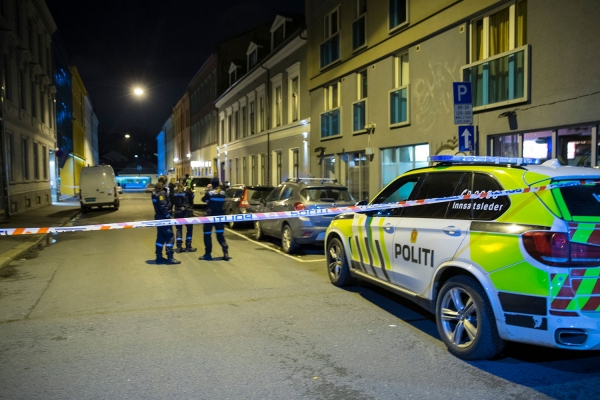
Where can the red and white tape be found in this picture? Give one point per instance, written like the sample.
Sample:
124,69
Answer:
289,214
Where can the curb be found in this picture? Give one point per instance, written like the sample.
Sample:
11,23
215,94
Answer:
9,256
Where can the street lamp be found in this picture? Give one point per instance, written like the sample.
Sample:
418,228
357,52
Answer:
138,91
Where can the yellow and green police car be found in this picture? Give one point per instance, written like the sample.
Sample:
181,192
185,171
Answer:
521,267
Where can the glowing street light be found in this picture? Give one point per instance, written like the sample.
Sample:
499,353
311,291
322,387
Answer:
127,136
138,91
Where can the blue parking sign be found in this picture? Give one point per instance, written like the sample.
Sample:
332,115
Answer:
462,92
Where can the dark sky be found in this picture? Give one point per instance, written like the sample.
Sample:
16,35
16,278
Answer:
158,45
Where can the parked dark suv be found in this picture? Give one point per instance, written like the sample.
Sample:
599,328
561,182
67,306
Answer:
296,195
242,199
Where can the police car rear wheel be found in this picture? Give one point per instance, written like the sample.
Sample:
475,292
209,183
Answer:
337,264
465,320
288,244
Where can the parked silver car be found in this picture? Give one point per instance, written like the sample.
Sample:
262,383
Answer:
242,199
297,195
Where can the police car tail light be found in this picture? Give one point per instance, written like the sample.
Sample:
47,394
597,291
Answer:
243,203
299,206
555,248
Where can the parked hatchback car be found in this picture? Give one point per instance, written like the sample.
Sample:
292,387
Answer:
523,267
244,199
297,195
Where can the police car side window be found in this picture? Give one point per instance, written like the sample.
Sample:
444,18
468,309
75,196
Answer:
490,207
461,209
435,185
287,193
399,190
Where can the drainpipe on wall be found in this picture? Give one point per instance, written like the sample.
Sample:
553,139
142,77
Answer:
4,158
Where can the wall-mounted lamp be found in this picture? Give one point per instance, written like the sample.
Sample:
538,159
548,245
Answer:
176,159
188,155
507,114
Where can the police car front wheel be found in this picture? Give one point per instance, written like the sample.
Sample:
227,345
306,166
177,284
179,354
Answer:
337,264
465,320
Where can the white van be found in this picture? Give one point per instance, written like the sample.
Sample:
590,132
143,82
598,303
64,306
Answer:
98,187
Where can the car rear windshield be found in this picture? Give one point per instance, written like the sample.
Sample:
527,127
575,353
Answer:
200,182
582,201
258,194
326,194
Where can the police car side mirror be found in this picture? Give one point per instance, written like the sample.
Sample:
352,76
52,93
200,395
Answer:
362,203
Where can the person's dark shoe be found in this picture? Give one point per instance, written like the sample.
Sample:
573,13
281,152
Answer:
178,249
226,255
190,249
171,260
161,260
206,257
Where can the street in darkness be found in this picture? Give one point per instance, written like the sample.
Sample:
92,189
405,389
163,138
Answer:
89,315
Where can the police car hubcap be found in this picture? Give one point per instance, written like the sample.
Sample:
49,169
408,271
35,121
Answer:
459,317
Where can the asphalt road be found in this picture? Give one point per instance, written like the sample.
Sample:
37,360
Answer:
90,316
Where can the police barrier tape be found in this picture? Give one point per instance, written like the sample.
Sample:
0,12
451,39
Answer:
293,214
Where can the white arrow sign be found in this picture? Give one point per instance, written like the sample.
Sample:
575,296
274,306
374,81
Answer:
465,133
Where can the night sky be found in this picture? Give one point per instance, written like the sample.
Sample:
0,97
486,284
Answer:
158,45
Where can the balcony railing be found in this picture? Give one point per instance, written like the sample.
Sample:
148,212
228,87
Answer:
330,50
330,123
359,115
399,106
499,80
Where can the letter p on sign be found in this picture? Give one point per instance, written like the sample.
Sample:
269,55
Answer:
462,93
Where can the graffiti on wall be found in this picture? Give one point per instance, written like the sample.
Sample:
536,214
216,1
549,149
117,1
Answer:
433,95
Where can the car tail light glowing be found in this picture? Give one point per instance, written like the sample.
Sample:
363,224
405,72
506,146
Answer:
243,203
299,206
555,248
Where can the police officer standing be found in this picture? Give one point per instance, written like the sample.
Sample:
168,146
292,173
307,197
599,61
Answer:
162,210
184,208
215,204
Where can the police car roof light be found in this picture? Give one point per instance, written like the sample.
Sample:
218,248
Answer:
483,159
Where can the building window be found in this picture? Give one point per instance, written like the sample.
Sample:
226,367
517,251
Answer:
254,169
45,162
222,131
278,36
244,169
42,108
261,114
278,106
397,160
400,94
330,119
499,58
36,162
252,118
229,128
278,168
295,100
237,171
330,48
357,174
263,169
398,13
6,78
295,164
25,158
22,89
244,123
9,152
359,107
359,26
236,124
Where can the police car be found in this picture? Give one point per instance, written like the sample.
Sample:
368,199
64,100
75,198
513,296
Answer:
492,267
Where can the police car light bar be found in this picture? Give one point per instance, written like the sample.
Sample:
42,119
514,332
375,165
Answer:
484,160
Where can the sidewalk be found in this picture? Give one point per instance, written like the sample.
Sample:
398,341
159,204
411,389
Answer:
58,214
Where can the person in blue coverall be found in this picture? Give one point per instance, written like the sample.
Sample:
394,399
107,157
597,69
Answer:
183,202
215,205
162,210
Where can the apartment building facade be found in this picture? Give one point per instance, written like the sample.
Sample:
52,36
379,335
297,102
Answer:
264,116
380,76
181,136
28,109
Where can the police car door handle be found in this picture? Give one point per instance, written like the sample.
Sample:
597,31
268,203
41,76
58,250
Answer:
451,231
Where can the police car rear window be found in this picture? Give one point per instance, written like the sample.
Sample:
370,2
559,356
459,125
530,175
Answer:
582,201
326,194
